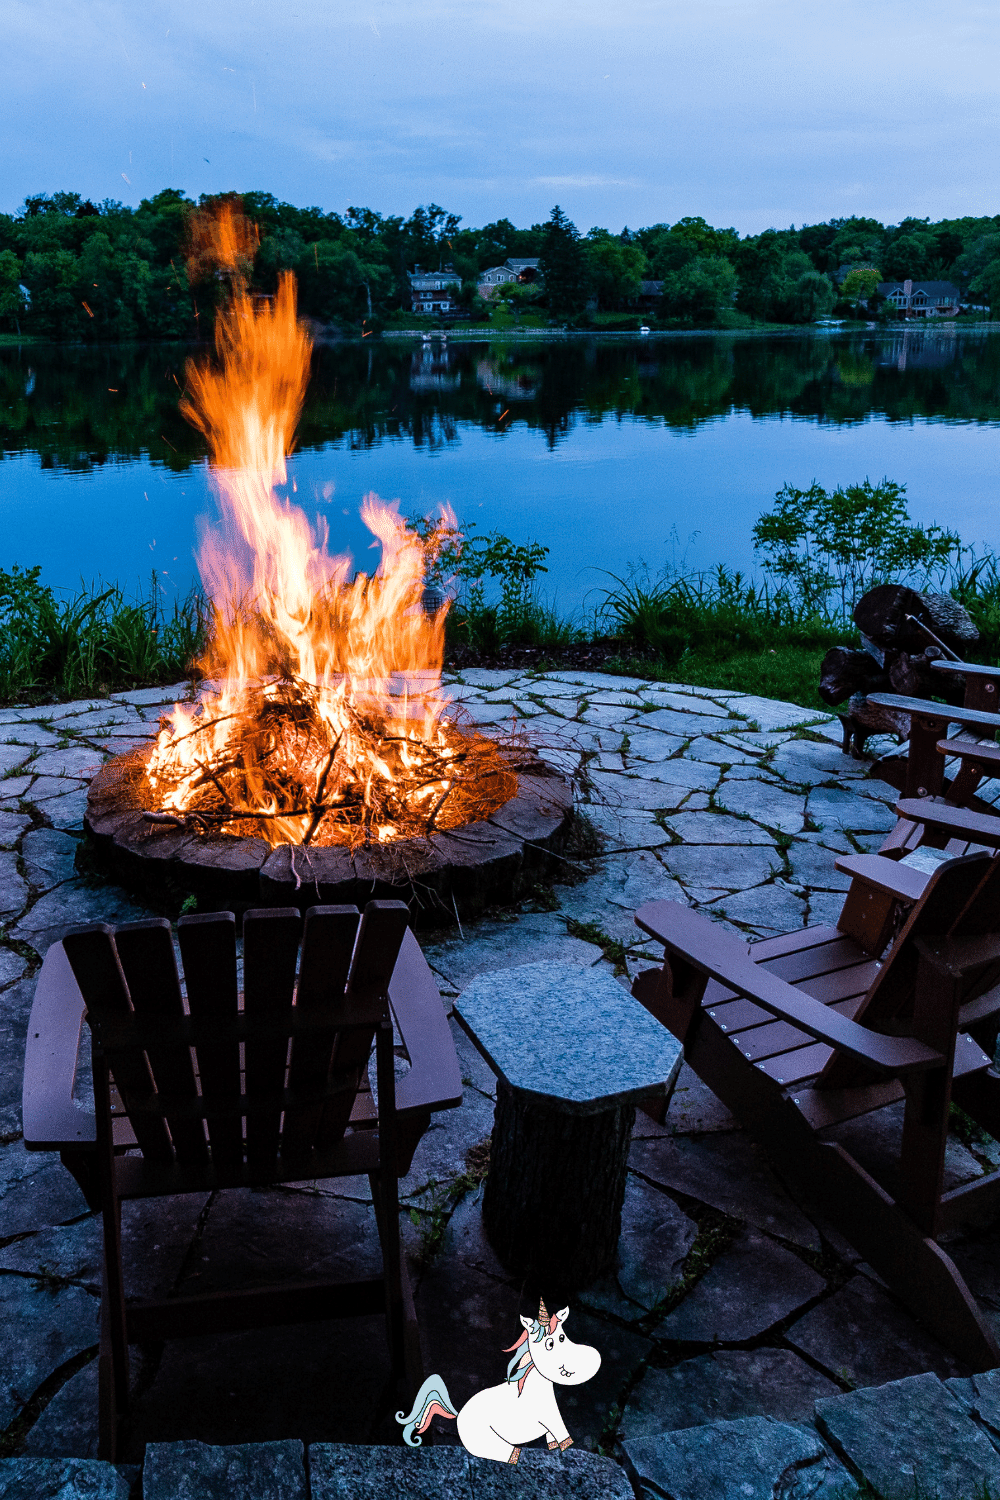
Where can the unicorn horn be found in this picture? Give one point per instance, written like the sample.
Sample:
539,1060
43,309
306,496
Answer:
543,1312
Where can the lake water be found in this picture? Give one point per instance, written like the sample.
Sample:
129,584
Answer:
607,451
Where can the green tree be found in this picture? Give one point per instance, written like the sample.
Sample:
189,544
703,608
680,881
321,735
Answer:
12,299
616,269
860,284
845,542
699,291
812,296
563,266
337,286
987,285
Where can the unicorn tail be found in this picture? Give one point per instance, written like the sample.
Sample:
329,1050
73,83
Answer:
432,1401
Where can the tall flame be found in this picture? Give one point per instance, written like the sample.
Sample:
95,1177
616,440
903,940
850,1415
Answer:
296,642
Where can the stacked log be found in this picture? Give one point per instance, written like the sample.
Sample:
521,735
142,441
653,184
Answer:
903,631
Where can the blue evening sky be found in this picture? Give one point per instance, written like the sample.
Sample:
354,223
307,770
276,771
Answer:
750,112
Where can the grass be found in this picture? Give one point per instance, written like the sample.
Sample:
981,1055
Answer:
91,643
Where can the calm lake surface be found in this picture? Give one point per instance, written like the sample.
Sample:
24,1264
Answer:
611,452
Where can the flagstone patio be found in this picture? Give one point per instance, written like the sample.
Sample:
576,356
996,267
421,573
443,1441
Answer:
730,1302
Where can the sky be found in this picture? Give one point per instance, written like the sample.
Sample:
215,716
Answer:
751,113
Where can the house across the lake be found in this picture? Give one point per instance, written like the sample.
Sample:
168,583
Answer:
435,291
921,299
521,270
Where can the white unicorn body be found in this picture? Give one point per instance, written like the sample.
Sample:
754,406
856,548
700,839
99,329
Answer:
497,1422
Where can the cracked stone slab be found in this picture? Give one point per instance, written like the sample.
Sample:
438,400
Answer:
724,1385
502,945
240,1471
30,734
67,811
67,1428
753,1285
71,1252
813,866
765,804
716,828
980,1396
76,763
72,903
12,756
627,830
730,1173
721,867
774,907
911,1437
749,1459
829,807
838,1333
690,725
619,792
36,1478
39,1331
178,692
712,752
772,713
651,746
49,857
35,1190
12,825
13,890
12,966
655,1238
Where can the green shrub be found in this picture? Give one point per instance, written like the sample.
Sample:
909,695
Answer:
91,643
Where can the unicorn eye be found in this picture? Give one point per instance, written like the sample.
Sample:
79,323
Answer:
550,1343
562,1338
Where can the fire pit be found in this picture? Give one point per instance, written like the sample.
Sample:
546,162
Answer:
321,761
446,873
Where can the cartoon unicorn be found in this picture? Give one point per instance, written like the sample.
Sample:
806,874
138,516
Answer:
497,1422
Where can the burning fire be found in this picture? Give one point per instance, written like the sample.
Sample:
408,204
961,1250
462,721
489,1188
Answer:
324,724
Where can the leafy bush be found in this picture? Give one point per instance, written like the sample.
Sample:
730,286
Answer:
830,548
93,642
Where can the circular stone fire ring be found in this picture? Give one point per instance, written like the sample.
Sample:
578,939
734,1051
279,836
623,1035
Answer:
458,872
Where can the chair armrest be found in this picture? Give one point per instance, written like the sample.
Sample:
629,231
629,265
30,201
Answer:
960,822
883,874
947,713
966,668
52,1121
699,941
434,1080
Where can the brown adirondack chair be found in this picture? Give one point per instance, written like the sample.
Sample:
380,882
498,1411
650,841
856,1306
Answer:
798,1033
218,1092
974,746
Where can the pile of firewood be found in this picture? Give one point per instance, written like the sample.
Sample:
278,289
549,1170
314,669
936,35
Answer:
902,632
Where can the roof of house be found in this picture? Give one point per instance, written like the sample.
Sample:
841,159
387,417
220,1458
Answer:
929,288
446,274
650,288
523,265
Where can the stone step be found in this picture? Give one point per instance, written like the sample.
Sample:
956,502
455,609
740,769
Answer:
335,1471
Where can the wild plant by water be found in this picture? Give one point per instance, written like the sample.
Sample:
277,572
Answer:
94,641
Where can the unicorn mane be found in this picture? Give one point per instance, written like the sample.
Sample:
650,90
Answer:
522,1364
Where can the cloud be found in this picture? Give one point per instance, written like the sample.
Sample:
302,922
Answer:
587,182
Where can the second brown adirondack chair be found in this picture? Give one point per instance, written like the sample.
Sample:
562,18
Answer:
796,1034
279,1093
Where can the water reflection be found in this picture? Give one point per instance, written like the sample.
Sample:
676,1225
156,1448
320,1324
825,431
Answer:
79,408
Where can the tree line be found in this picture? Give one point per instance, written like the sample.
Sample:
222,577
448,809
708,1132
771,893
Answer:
72,270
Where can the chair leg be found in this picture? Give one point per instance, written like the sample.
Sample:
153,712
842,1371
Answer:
916,1268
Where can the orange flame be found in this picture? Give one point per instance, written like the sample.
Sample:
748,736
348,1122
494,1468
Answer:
289,627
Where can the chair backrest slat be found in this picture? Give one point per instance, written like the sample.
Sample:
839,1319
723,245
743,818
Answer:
945,897
327,948
94,961
270,953
382,930
146,954
888,1006
208,950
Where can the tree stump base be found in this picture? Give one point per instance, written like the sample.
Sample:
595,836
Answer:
552,1209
